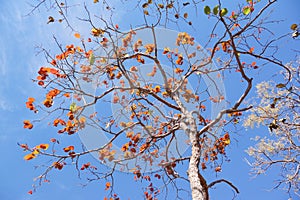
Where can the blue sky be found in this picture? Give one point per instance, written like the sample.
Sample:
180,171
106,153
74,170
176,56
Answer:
18,64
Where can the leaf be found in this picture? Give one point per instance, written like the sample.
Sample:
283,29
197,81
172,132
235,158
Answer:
77,35
294,26
227,141
246,10
97,32
92,59
73,107
280,85
50,19
29,156
67,95
31,99
43,146
216,10
251,50
207,10
35,152
161,5
170,5
107,185
69,148
27,124
218,169
145,5
224,11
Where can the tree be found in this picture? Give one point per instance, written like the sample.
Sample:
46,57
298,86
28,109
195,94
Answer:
165,97
278,109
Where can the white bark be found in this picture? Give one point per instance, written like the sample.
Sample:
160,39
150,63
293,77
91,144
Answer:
197,182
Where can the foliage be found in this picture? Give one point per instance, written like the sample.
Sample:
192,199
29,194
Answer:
154,110
278,109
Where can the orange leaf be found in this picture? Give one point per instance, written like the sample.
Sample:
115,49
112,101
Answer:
56,122
31,99
67,95
125,147
218,169
48,102
136,138
53,62
24,146
85,166
77,35
179,60
58,165
107,185
156,89
43,146
40,78
27,124
178,70
251,50
53,140
41,83
226,136
129,134
69,148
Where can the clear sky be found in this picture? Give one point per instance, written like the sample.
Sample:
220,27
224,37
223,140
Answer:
19,36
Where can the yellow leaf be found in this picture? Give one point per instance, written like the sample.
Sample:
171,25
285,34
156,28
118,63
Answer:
97,32
29,156
227,141
35,152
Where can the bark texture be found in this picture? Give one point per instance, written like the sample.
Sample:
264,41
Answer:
197,182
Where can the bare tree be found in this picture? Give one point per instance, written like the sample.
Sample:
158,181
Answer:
278,109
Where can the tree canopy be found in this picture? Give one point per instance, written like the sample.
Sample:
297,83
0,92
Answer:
156,95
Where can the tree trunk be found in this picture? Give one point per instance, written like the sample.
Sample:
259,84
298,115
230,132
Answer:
197,182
